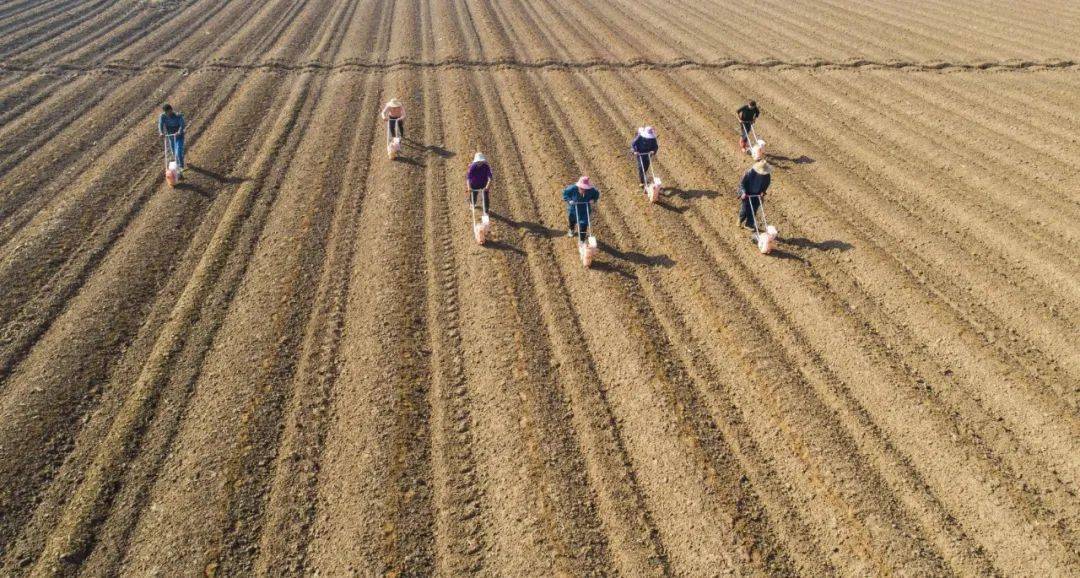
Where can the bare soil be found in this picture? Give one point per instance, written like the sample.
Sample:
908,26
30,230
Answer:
299,362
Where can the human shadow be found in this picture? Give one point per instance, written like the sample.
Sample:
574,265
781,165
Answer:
637,258
217,176
782,254
533,228
407,160
439,151
690,194
194,188
804,243
503,246
424,149
783,161
671,208
611,268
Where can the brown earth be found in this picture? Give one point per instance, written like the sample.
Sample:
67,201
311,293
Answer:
299,361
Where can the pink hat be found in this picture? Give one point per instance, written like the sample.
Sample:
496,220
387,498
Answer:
584,183
647,132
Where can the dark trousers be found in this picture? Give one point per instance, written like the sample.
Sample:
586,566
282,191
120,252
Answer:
487,200
747,127
395,127
748,210
572,222
643,164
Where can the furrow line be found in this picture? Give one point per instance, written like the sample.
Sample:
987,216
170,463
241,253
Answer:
129,299
35,315
125,68
857,528
76,530
292,501
786,325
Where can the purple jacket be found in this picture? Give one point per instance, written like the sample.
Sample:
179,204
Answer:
478,175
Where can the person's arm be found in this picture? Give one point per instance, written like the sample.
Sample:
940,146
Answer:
161,124
183,125
383,113
568,194
744,184
765,182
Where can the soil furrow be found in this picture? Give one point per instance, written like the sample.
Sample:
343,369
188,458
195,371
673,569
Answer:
74,535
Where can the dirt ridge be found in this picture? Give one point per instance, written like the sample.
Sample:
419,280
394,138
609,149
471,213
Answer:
123,67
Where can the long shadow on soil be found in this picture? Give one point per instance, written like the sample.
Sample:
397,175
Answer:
690,194
195,188
804,243
423,149
504,246
538,229
217,176
637,258
786,162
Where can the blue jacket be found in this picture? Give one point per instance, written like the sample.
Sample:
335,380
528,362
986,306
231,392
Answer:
575,196
171,123
642,145
754,183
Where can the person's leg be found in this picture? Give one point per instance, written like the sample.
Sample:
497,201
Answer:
584,235
178,150
401,128
744,213
472,196
640,161
570,223
487,201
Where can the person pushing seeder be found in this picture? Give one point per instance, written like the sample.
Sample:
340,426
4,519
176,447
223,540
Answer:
478,178
752,190
394,115
171,126
747,115
581,198
644,146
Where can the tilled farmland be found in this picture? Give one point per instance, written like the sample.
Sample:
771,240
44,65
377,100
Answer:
298,361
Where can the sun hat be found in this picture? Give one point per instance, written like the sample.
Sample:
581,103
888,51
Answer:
394,103
584,183
762,167
647,132
479,158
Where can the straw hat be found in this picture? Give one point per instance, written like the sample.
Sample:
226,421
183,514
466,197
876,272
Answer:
647,132
394,103
762,167
584,183
479,158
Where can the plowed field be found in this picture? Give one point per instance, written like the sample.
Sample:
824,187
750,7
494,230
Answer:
298,361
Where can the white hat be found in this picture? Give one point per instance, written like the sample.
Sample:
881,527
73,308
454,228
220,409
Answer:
584,183
762,167
479,158
394,103
647,132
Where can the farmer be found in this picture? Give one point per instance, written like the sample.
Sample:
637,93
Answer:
581,198
171,125
752,190
644,146
478,178
747,115
394,115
